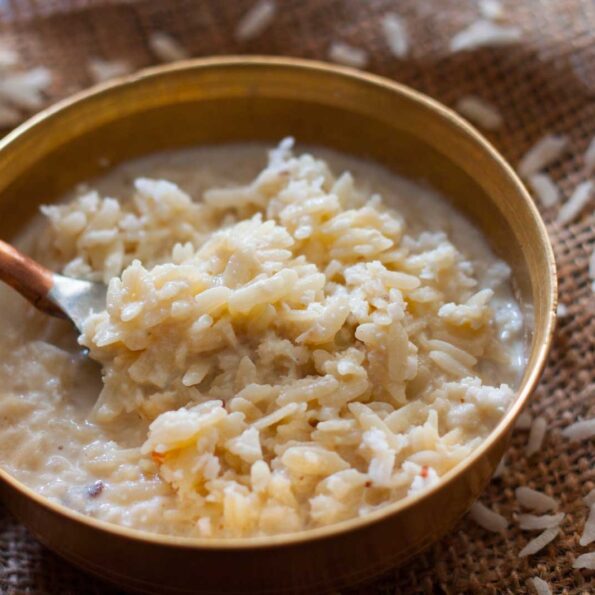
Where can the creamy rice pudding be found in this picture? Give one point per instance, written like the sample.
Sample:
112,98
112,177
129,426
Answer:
287,344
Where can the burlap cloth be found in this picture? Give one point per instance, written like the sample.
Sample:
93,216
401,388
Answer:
544,84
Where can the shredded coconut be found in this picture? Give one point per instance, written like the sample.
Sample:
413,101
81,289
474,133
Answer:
488,519
103,70
480,112
256,20
585,561
545,189
484,33
578,200
166,48
536,435
531,522
540,586
537,544
535,500
580,430
541,154
395,33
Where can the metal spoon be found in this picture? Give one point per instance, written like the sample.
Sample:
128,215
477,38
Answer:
49,292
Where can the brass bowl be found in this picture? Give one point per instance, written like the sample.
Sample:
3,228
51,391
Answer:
233,99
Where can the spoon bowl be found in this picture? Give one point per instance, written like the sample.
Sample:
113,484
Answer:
49,292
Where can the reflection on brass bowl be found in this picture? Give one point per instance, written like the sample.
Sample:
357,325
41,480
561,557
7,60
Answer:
235,99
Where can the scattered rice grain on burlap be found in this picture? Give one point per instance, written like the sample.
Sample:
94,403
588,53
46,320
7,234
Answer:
543,84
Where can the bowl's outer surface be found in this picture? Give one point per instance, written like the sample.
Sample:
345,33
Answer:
233,99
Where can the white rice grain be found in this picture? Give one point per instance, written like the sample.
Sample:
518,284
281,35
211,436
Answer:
561,311
590,157
585,561
592,270
9,116
534,500
8,58
541,154
545,189
348,55
588,535
537,544
578,200
395,33
479,112
536,435
256,20
104,70
524,421
166,48
488,519
483,33
501,468
540,586
25,89
491,9
531,522
580,430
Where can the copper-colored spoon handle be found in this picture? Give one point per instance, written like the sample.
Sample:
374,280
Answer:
28,277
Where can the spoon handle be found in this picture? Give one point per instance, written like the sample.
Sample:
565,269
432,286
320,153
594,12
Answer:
28,277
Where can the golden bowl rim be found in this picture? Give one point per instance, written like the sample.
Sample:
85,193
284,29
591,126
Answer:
497,433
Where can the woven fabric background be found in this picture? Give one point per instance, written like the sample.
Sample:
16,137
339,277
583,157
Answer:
544,84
